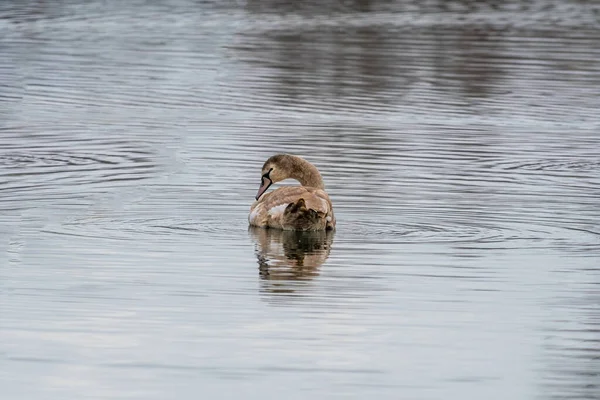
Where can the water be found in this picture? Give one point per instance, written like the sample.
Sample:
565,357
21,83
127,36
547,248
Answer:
459,142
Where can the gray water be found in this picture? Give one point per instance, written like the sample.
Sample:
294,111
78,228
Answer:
460,144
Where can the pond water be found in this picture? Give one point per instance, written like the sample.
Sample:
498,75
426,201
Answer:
459,142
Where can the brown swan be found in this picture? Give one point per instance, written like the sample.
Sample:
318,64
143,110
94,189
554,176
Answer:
301,208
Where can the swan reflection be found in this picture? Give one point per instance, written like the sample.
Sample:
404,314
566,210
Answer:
290,255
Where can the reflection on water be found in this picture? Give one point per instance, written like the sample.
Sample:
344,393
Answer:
458,141
289,256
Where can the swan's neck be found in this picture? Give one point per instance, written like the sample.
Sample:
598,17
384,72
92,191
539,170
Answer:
307,174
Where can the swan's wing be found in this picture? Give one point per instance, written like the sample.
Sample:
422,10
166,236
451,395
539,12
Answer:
269,209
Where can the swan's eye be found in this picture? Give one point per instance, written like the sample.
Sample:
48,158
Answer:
266,175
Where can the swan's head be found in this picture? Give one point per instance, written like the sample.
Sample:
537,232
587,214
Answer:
275,169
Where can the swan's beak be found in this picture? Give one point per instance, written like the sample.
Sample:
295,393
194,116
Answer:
264,185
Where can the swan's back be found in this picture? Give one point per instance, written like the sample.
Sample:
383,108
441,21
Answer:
294,208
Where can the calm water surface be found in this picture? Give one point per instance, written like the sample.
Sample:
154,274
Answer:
459,141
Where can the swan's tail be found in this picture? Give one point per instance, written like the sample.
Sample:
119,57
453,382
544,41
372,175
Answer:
297,216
